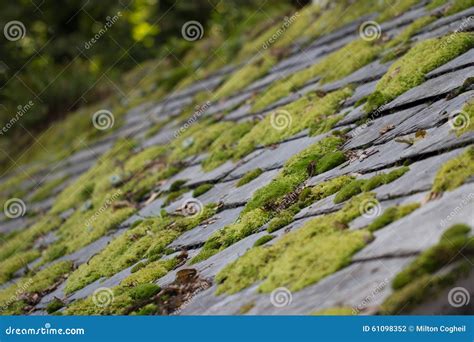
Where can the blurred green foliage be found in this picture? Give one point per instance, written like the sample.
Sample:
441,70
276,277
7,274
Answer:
76,52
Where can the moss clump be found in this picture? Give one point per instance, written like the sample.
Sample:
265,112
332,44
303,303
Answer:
359,185
296,116
420,280
465,118
263,240
251,71
54,305
410,70
222,149
144,291
260,209
246,225
147,240
202,189
361,52
454,172
281,220
39,283
249,176
299,258
198,138
350,190
177,185
392,214
294,172
452,242
15,262
132,292
46,190
396,9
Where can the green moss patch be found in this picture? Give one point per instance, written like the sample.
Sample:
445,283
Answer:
147,240
222,149
202,189
249,176
46,190
299,258
16,298
359,185
263,240
295,116
410,70
420,280
251,71
454,172
132,291
392,214
360,52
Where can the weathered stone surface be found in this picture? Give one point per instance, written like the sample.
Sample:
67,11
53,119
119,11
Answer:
419,178
465,60
433,87
364,220
431,116
200,234
423,228
359,285
368,73
371,131
275,157
230,195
